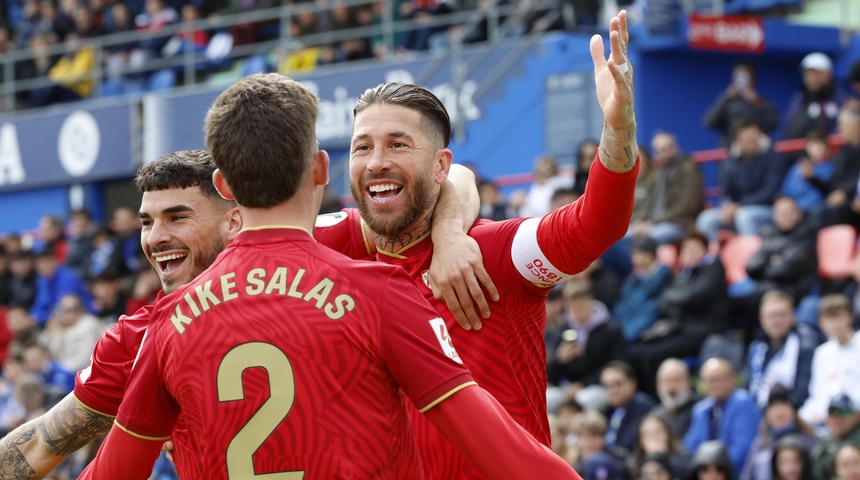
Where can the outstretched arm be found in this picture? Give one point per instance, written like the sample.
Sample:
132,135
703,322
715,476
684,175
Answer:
37,447
613,80
457,268
123,456
491,441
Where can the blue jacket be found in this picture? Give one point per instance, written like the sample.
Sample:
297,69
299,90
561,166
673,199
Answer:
755,182
638,303
737,430
804,193
49,291
809,341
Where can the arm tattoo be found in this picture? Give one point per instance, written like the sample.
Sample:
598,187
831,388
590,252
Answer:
69,426
12,461
631,159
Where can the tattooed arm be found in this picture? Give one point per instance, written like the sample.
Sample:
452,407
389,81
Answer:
618,150
37,447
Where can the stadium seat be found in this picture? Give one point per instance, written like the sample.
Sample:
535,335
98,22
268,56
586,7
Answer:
735,255
667,254
836,251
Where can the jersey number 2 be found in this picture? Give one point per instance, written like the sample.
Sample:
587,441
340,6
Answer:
240,462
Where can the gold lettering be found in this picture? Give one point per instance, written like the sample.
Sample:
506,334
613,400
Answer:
193,306
255,278
278,281
205,296
320,292
227,286
179,320
342,303
294,287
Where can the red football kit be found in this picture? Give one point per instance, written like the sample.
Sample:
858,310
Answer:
287,358
524,257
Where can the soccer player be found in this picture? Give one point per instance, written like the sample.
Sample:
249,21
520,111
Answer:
286,358
398,159
185,225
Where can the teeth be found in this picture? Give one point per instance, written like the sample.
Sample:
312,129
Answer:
383,188
172,256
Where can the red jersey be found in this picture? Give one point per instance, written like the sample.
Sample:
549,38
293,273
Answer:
284,357
524,257
100,387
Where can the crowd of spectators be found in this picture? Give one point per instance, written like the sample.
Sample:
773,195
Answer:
124,63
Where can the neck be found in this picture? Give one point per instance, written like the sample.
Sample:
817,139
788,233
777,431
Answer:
289,213
844,337
414,233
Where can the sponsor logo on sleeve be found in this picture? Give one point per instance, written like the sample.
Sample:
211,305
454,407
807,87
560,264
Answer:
441,331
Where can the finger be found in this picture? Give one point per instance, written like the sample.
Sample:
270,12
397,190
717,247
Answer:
478,298
465,301
625,34
616,53
167,447
597,54
487,282
459,315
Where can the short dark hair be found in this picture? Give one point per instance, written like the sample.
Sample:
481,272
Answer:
697,236
854,75
262,134
182,169
415,98
622,367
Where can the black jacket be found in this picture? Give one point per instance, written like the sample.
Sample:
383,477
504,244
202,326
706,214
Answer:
698,297
605,343
787,260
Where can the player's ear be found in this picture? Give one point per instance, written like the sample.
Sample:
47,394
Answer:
320,164
234,223
221,185
443,160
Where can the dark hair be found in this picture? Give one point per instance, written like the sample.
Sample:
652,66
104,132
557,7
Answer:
697,236
415,98
854,75
581,145
750,67
262,134
182,169
798,444
622,367
739,124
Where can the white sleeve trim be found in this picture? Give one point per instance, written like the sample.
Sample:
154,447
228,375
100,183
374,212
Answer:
530,261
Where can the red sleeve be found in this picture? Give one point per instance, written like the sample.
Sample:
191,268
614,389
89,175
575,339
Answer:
148,410
344,232
100,386
415,345
577,234
492,442
123,455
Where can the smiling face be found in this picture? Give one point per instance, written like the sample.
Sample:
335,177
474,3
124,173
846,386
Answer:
182,234
396,169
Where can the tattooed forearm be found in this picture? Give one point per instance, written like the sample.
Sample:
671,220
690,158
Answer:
12,461
69,426
618,150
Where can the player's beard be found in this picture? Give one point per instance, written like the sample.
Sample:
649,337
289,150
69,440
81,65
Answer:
419,199
200,261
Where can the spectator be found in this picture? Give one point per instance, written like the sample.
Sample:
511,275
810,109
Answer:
546,181
605,280
53,283
782,353
671,196
109,298
711,462
637,307
492,202
127,228
82,229
585,343
834,363
791,459
155,17
11,411
656,438
22,326
5,278
54,23
144,290
842,205
72,333
106,257
28,28
677,396
656,467
847,462
22,283
780,420
854,80
85,25
627,406
30,394
816,105
693,306
57,380
561,197
585,153
596,460
740,101
51,237
750,180
815,162
843,419
70,73
728,413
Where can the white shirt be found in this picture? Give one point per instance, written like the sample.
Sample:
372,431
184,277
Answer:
834,371
539,198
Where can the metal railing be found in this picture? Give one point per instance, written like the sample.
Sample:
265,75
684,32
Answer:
500,20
